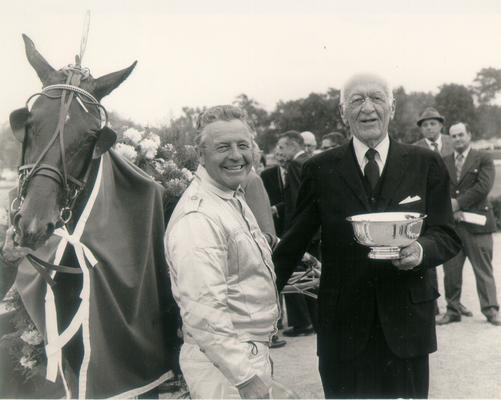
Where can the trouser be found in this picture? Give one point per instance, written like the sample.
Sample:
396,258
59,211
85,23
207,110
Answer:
302,311
478,249
374,373
205,381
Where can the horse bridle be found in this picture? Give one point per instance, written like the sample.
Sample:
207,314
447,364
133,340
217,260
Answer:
72,186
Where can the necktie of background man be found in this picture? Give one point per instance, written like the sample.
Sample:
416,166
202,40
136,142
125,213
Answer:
459,165
371,169
435,147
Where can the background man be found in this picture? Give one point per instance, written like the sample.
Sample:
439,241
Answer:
310,142
376,322
332,140
274,181
430,123
472,176
221,269
301,311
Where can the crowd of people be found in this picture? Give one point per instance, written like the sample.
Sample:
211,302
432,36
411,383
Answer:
240,231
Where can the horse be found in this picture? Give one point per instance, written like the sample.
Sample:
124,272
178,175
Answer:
95,283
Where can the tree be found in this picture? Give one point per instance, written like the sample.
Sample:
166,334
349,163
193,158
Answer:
455,103
10,148
408,107
486,85
258,115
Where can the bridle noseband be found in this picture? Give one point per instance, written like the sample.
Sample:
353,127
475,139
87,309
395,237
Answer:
72,187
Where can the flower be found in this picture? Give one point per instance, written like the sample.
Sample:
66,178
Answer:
126,151
27,363
32,337
188,175
133,135
149,148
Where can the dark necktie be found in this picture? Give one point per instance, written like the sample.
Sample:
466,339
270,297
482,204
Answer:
371,170
435,147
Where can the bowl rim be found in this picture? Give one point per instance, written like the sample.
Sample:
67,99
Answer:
366,217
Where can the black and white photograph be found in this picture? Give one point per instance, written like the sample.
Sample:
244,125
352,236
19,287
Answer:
250,199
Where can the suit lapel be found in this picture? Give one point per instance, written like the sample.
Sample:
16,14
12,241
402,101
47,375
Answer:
394,172
451,167
348,169
468,164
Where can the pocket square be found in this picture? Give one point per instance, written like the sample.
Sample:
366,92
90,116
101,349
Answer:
410,199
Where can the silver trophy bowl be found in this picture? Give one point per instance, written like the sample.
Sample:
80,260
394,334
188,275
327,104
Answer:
387,232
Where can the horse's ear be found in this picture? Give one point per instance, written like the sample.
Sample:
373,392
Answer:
18,119
107,138
39,64
107,83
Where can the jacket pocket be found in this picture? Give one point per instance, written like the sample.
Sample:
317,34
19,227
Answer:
423,294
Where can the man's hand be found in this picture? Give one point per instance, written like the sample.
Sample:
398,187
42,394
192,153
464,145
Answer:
410,257
11,253
455,205
458,216
254,388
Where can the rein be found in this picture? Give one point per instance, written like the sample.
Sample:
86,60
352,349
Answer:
72,186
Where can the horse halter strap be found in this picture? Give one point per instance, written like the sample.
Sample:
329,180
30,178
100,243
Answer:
70,90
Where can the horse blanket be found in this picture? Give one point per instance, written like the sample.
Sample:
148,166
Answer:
119,313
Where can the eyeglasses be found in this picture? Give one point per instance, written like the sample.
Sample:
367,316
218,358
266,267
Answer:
358,100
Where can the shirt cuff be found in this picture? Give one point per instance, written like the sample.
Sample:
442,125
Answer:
420,253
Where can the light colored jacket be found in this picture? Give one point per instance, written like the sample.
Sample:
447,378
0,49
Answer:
222,275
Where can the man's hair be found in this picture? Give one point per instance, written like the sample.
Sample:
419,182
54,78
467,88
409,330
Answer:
386,85
221,113
335,137
295,136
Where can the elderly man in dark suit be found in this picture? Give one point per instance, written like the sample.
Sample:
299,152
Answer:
377,322
472,176
430,123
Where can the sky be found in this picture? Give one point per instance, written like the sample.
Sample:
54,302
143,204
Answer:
203,53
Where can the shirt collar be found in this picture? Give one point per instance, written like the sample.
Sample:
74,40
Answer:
298,154
361,148
211,185
438,142
464,153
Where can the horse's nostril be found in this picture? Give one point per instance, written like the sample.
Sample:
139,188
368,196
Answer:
50,228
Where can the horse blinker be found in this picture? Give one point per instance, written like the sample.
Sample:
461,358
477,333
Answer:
18,119
107,138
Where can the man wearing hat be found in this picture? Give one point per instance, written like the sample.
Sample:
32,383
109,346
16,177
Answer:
430,123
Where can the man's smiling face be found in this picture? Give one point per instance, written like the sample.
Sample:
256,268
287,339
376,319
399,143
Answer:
226,152
367,108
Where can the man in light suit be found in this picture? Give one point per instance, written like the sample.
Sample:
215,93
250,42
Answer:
376,322
430,123
472,176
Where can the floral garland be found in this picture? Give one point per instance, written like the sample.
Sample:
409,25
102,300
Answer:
172,166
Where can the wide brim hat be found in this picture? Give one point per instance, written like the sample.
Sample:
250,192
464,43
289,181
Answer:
430,113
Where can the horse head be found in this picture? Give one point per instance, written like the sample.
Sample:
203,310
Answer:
61,133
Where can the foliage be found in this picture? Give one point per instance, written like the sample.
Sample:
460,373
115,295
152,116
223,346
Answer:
9,148
25,343
455,103
486,85
403,126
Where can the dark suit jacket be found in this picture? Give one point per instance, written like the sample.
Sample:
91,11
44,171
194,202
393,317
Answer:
291,188
274,186
447,147
353,287
475,183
